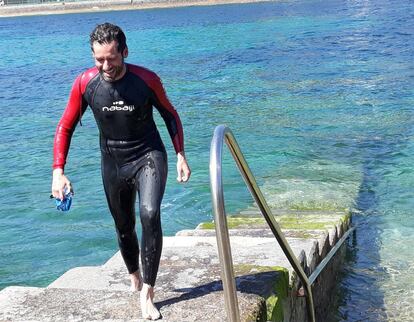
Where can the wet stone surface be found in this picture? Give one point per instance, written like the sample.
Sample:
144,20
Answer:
188,286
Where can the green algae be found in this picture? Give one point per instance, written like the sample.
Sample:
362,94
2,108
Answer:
206,225
279,292
244,269
274,303
316,205
235,222
304,222
347,218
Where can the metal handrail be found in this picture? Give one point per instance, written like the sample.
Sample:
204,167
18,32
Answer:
328,257
223,133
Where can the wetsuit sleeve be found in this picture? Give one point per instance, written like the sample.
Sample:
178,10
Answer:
75,107
169,114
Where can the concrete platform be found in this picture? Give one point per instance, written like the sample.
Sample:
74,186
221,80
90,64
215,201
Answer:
193,255
189,286
184,286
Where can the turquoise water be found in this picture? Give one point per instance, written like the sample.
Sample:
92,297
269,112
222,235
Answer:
318,93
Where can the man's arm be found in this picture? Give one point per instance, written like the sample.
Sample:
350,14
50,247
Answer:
174,126
64,130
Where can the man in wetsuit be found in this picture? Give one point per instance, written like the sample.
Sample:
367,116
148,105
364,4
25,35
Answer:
122,97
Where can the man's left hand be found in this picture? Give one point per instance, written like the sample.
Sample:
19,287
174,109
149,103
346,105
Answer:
183,170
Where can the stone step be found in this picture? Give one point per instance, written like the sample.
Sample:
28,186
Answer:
295,224
182,252
254,211
189,277
255,232
190,293
292,221
188,284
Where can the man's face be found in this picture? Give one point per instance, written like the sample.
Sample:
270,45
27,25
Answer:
109,61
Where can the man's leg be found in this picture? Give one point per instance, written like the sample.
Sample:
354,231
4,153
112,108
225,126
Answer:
121,196
151,184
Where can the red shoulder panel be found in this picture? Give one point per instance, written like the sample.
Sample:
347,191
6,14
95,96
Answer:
154,82
72,114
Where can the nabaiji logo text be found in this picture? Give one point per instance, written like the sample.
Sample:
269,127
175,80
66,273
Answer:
118,106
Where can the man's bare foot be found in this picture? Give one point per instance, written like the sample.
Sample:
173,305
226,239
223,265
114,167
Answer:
136,281
148,309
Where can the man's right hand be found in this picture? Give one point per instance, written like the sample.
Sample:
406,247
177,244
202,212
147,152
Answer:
60,183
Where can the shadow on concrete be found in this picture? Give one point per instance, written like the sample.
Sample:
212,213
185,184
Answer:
261,284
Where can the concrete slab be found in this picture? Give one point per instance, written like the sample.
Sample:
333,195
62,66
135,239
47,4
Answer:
190,293
254,232
189,286
184,251
292,220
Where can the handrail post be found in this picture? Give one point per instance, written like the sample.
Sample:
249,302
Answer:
222,133
223,240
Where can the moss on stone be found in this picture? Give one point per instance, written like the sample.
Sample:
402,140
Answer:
312,223
316,205
300,234
206,225
347,217
274,300
304,222
244,269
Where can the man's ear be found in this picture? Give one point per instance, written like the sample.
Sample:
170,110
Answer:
125,52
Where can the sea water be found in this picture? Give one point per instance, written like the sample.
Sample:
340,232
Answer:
319,95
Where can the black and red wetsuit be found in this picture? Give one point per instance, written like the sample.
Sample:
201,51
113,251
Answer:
133,154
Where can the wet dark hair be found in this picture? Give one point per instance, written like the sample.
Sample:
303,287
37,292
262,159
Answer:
106,33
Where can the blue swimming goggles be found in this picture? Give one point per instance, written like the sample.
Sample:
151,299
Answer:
64,205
